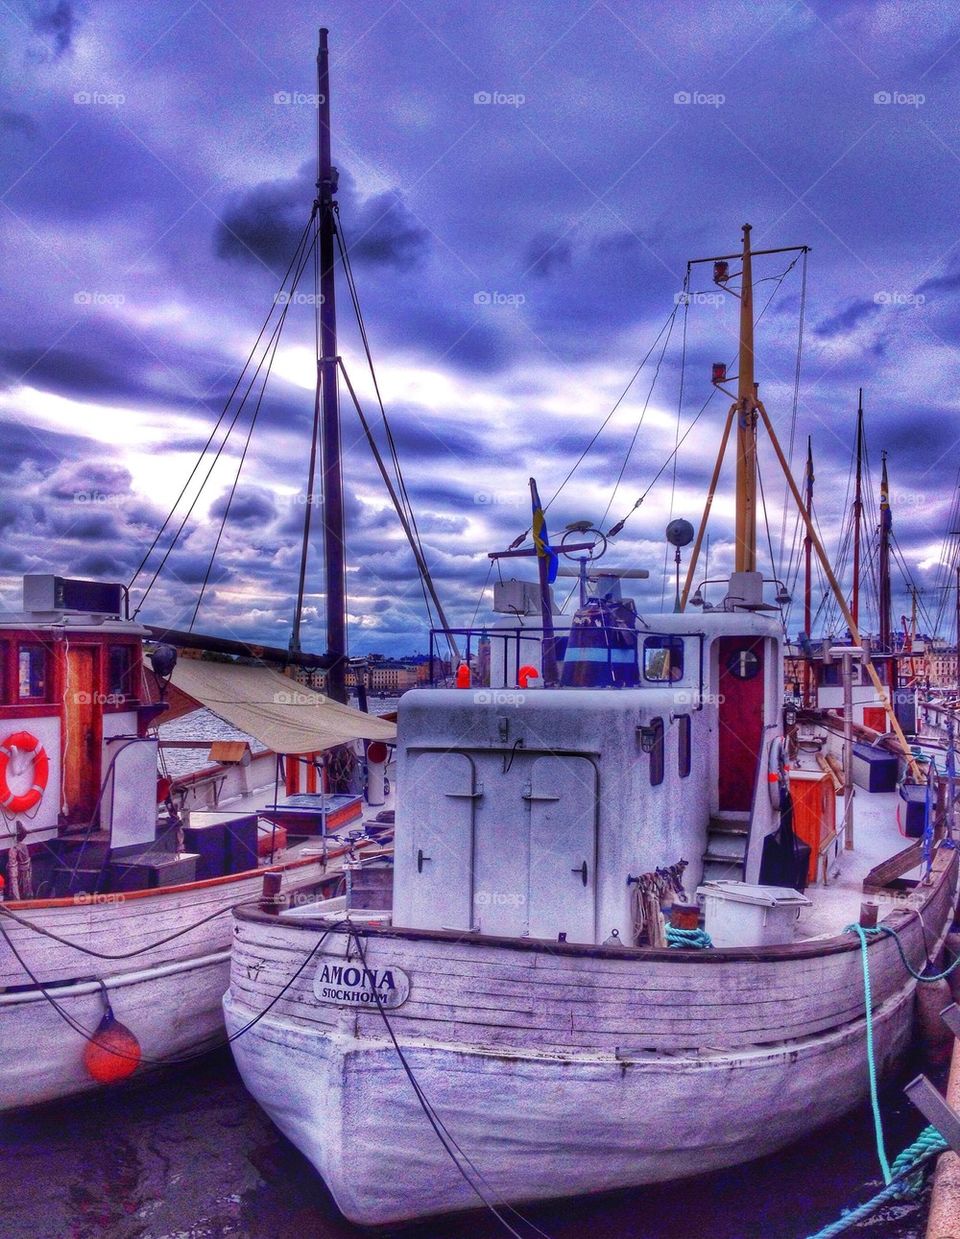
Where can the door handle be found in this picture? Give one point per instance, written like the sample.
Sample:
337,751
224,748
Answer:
421,858
582,870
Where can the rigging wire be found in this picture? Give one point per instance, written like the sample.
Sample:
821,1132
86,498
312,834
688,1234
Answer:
278,328
425,579
223,413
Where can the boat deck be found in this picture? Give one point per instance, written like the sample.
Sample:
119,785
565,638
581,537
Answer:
876,837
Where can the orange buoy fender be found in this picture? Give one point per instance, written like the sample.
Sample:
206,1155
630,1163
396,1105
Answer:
29,799
113,1052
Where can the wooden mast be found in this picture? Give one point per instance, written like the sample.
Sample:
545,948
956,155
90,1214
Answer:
857,515
808,574
746,522
885,526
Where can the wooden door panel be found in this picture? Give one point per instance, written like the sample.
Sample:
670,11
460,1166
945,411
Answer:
740,712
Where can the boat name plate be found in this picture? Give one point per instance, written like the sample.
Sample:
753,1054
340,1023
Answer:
350,985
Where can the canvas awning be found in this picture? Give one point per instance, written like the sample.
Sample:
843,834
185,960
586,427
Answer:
284,715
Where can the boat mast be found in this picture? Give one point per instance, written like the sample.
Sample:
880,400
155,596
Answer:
807,573
857,515
886,522
746,523
326,419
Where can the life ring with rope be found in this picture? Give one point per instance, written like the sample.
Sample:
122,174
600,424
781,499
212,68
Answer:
25,801
777,770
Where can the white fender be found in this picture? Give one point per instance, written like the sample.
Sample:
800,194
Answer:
777,771
377,754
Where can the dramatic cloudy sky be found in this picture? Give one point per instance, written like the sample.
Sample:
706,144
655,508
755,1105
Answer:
521,187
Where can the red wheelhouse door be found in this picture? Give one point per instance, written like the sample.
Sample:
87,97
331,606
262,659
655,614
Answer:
741,718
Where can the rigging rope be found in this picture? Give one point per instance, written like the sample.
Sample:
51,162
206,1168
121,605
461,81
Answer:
169,517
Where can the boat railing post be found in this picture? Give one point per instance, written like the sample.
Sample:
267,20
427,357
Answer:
848,750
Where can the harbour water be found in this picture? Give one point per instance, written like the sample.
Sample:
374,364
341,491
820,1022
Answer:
190,1156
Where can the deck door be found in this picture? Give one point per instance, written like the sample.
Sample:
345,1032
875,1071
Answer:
81,740
741,687
562,890
443,789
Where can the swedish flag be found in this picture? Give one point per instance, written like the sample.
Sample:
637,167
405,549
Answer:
541,539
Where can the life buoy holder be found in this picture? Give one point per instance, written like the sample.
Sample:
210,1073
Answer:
29,799
777,770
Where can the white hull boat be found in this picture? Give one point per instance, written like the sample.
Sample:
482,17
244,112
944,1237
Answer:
519,1024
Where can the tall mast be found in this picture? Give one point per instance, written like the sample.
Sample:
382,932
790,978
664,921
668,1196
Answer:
857,515
809,695
326,410
886,522
746,525
807,544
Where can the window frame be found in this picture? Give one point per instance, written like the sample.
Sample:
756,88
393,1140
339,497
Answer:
43,697
668,643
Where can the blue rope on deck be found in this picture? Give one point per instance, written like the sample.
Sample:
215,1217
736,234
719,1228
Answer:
688,939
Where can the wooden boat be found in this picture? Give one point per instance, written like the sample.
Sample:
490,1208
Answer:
114,949
115,906
513,1027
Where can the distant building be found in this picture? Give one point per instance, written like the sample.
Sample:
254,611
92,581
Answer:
941,665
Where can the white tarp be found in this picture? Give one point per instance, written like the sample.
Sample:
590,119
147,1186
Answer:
285,716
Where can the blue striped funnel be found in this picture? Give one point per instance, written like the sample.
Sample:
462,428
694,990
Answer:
602,648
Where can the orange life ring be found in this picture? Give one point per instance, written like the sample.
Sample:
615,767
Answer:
29,799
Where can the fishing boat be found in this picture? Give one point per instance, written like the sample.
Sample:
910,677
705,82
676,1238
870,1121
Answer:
119,880
519,1023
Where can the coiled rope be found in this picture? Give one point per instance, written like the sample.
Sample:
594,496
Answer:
688,939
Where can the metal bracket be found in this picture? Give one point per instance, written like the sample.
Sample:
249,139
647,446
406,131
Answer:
935,1110
929,1101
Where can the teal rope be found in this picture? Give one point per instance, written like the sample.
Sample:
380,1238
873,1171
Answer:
903,1180
688,939
887,932
904,1185
871,1061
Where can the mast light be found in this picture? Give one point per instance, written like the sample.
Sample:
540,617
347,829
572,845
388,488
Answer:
719,372
721,272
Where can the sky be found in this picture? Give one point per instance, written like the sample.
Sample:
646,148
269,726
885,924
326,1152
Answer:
521,188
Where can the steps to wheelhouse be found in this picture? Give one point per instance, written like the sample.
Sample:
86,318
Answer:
725,857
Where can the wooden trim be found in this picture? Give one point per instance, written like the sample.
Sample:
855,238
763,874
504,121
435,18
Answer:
945,864
70,901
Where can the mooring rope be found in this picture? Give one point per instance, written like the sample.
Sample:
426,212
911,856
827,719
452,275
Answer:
903,1180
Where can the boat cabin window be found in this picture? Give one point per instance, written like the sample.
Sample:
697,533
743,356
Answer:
119,668
743,664
656,752
663,659
32,673
683,745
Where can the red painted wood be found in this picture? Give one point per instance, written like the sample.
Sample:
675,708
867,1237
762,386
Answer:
311,772
740,723
81,732
292,769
